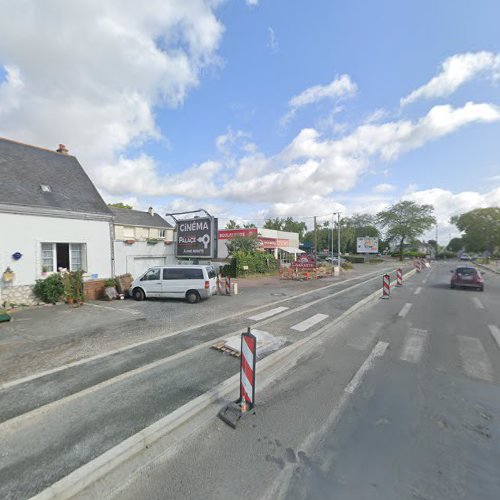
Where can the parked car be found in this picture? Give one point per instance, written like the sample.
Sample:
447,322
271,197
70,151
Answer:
464,256
190,282
468,277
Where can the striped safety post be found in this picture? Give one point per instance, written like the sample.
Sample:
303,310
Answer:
247,371
417,266
386,286
399,273
219,283
228,285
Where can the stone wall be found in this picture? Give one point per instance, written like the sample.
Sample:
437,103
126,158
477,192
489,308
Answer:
18,295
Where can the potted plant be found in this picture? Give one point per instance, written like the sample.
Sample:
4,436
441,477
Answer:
129,242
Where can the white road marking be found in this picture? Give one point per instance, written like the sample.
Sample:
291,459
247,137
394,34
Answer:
495,333
307,323
404,310
363,342
417,290
474,358
115,309
477,303
414,345
377,352
268,314
424,281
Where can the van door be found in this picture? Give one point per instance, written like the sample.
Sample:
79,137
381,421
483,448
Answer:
151,282
212,278
173,283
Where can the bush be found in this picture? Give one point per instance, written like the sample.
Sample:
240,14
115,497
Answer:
243,263
110,282
346,265
51,289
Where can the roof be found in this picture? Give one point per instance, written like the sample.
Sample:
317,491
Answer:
128,217
24,169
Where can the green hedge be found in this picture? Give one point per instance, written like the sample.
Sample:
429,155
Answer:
409,254
256,263
354,259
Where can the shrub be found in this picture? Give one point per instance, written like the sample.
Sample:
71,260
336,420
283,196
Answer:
354,259
110,282
51,289
346,265
249,263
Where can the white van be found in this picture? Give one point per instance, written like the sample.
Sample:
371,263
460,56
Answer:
192,283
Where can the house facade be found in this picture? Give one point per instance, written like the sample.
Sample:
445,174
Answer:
51,217
141,240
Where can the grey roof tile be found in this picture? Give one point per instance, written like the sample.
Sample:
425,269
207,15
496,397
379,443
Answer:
24,168
130,217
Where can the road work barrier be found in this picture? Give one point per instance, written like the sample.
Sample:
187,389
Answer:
386,286
399,277
245,405
228,285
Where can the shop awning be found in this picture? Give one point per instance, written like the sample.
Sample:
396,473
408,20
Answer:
292,250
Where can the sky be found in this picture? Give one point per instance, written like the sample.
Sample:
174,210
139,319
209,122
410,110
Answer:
253,109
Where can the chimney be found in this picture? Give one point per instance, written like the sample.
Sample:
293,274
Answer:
151,211
62,149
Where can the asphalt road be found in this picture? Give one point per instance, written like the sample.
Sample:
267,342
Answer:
401,403
57,422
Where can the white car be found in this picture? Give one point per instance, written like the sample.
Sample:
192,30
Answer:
190,282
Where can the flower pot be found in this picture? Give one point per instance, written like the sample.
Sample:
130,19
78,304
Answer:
70,300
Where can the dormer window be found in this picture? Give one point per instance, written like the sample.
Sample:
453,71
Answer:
45,188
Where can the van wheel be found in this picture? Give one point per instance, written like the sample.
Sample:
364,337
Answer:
138,294
192,297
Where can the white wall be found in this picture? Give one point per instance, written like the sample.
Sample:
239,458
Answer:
126,254
25,233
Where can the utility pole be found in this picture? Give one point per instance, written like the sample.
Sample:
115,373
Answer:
315,243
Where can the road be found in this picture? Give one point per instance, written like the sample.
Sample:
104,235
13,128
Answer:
401,403
55,422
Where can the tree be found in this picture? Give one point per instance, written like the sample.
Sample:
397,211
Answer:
288,224
455,245
481,228
119,205
249,226
232,225
406,221
247,244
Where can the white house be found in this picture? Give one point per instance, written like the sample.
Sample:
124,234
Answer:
141,240
51,217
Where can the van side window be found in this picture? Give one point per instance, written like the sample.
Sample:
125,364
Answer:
211,272
151,275
182,274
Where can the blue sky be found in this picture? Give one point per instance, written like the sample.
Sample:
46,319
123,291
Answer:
263,108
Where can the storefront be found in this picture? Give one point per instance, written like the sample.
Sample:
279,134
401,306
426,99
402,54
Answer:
282,244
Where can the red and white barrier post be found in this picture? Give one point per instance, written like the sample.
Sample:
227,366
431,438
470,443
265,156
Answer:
228,285
399,273
386,286
417,265
247,371
245,405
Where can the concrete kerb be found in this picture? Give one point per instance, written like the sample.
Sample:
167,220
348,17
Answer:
487,268
123,454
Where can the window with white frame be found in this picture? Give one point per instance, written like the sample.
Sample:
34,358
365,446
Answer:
71,256
161,233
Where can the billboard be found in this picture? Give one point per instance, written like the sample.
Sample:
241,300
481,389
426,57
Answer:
195,237
367,244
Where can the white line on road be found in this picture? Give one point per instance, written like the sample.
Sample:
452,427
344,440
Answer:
414,345
404,310
377,352
474,358
424,281
307,323
115,309
268,314
477,303
495,333
417,290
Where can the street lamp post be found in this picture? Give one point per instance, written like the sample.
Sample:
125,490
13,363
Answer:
338,237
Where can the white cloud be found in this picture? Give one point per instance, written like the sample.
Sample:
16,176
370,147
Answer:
90,75
383,188
273,40
455,71
313,165
252,3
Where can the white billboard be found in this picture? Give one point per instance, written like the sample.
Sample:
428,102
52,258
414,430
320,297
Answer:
367,244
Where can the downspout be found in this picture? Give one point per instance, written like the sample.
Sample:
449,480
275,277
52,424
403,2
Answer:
112,238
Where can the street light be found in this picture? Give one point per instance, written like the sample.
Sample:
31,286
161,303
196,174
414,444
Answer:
338,236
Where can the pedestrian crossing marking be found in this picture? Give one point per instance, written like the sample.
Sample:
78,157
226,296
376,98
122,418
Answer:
306,324
475,361
268,314
414,345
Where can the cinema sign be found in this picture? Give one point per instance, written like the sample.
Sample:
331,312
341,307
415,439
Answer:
196,238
